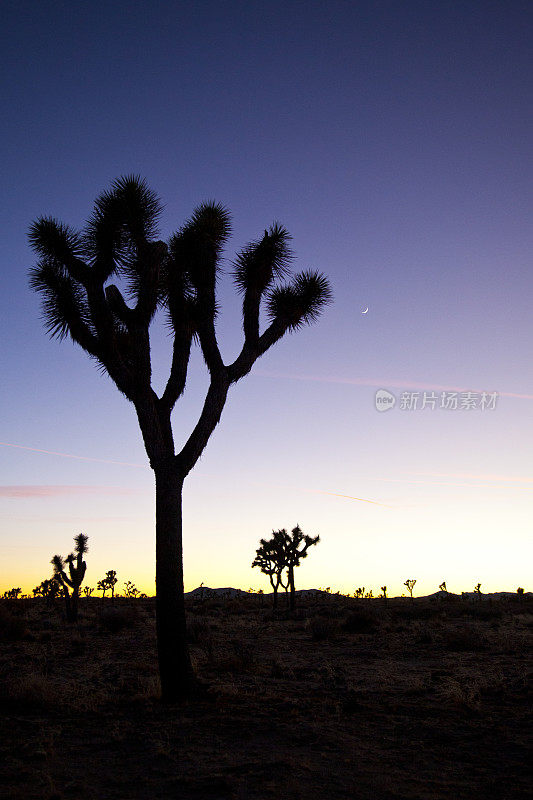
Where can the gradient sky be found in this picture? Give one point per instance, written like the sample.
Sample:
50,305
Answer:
393,140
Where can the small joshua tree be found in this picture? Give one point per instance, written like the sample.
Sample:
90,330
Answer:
410,583
369,595
269,558
88,590
130,590
72,581
296,546
283,552
360,592
108,583
384,592
442,587
477,589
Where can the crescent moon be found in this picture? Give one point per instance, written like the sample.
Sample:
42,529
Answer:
365,311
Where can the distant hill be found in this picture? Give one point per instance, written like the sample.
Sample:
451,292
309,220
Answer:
205,592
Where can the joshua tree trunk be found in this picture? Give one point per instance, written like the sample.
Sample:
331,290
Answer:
68,605
291,585
74,606
177,677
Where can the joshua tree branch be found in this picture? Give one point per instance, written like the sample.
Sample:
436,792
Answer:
178,370
249,353
209,418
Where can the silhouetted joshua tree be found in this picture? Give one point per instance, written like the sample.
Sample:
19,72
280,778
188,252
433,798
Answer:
76,568
289,549
297,546
477,589
108,583
270,558
130,590
442,587
410,583
88,590
73,276
49,589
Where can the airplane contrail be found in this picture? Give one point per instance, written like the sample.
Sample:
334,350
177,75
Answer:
71,455
143,466
394,384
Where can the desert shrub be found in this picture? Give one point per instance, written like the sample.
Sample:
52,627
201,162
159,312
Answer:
12,626
360,621
116,619
322,628
34,691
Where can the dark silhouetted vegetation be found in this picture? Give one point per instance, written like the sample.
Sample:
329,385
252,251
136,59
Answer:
12,594
283,552
107,584
130,590
49,589
70,584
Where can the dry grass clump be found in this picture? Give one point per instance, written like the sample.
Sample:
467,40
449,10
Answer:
33,691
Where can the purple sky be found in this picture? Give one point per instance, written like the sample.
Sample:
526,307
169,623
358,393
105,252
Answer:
394,141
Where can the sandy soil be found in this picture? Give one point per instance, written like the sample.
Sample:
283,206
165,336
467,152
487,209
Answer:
344,699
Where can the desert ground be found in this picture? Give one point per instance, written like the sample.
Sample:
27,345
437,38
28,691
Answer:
343,698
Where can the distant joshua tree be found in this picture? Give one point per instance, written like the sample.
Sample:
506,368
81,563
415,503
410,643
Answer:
108,583
384,592
74,275
442,587
76,568
130,590
477,589
296,546
269,557
88,590
369,595
410,583
284,552
360,592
